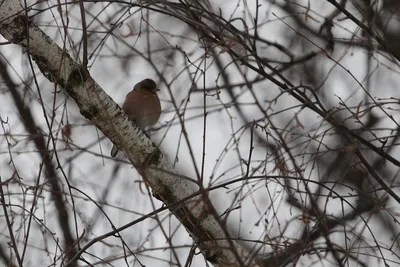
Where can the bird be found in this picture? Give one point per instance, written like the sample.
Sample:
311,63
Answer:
142,106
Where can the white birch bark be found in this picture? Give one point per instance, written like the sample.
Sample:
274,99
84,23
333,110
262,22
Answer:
196,213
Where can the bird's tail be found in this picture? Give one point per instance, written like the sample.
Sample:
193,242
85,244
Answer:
114,151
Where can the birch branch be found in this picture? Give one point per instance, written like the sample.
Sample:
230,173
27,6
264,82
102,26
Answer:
197,215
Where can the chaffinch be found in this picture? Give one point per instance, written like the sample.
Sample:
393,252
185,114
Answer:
142,106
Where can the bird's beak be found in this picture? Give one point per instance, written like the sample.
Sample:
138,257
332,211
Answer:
157,90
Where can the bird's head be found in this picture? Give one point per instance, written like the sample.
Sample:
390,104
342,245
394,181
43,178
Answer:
147,86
